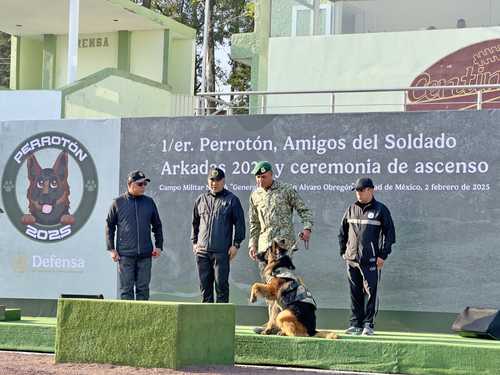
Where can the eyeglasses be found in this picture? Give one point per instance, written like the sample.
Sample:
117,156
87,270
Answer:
141,184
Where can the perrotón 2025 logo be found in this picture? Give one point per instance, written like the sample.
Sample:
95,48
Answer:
48,216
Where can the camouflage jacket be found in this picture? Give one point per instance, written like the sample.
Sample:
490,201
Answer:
271,215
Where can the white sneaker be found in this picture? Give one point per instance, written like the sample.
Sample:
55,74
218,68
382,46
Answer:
367,331
353,330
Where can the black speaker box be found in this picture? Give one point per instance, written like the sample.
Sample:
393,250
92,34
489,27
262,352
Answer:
86,296
478,322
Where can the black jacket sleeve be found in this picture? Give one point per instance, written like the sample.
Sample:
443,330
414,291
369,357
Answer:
388,232
239,221
343,233
111,221
156,227
195,228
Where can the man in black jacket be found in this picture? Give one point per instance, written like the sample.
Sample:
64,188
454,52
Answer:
133,216
215,214
366,236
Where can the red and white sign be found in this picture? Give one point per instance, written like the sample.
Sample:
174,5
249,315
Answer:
477,64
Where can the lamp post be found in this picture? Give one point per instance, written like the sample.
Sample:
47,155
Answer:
204,55
74,16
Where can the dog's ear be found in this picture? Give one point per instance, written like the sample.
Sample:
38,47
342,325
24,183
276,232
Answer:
34,169
61,166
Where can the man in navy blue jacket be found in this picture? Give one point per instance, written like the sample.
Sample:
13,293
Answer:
133,216
365,237
217,232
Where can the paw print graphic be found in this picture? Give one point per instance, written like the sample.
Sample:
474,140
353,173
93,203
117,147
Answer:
90,185
8,186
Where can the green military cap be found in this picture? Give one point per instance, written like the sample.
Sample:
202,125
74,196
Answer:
262,167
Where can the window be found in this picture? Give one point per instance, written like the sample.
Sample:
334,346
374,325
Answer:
303,20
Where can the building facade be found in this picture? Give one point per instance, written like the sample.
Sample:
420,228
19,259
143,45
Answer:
373,44
131,61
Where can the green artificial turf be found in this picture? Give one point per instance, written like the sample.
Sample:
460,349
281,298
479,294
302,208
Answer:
388,352
145,334
29,334
12,315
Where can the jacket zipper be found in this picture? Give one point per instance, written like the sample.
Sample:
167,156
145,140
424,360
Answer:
137,225
210,221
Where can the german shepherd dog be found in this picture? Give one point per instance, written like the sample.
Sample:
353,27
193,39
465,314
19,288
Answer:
48,193
294,317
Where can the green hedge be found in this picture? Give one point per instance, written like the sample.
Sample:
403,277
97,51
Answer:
9,315
145,334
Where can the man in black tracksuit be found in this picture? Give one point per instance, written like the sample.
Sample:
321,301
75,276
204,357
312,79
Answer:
215,214
133,216
366,236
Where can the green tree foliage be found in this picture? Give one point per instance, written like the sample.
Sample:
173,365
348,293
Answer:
228,17
4,59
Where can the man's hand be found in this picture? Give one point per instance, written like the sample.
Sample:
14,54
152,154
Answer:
195,248
306,235
380,263
232,252
114,255
156,252
252,252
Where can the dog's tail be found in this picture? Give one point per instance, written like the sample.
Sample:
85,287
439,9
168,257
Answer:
326,335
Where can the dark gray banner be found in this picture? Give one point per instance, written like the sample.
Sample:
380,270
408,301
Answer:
437,172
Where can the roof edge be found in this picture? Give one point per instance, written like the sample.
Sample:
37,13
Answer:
167,22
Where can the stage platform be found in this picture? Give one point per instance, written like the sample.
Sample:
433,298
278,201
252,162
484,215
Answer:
387,352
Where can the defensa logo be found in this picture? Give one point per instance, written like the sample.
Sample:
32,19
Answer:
55,263
20,263
48,216
42,263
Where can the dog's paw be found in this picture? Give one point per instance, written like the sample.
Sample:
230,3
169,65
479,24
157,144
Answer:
28,219
90,185
67,220
8,186
253,298
270,331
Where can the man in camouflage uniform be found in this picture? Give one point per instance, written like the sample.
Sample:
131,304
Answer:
271,216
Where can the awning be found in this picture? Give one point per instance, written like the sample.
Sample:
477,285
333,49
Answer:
37,17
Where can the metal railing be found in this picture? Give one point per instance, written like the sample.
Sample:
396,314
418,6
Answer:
459,97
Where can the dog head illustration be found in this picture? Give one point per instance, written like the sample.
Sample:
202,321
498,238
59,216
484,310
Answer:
48,192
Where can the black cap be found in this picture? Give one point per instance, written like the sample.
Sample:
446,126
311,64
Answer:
216,174
363,183
135,176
